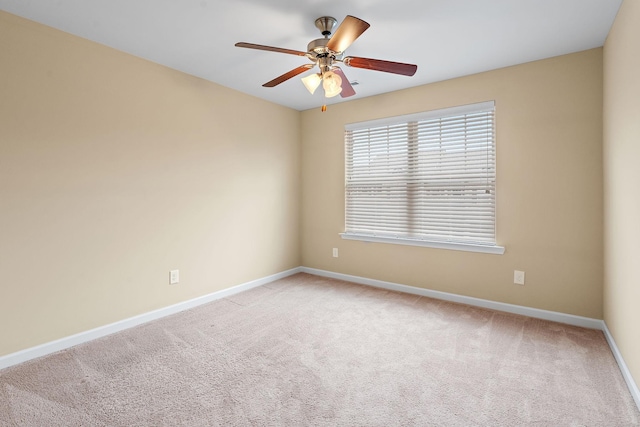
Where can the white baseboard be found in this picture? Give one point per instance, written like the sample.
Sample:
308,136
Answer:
554,316
82,337
569,319
73,340
626,374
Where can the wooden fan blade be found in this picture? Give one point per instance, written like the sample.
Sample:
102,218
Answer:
347,89
380,65
270,48
348,31
287,76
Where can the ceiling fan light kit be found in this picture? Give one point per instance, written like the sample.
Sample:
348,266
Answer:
326,52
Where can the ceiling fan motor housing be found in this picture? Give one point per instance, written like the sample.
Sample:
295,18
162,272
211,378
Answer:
319,46
319,53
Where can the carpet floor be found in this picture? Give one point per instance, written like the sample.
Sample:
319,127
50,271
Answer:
311,351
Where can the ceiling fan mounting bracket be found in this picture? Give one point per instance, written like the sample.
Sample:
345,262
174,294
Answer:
326,24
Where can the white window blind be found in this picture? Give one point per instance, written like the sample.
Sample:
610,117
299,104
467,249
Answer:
427,176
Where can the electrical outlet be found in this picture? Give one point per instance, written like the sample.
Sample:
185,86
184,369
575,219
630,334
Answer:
518,277
335,252
174,277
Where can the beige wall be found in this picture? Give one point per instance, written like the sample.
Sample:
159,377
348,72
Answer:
114,170
549,188
622,183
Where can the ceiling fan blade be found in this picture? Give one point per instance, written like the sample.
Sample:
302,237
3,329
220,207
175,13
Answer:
380,65
288,75
271,48
348,31
347,89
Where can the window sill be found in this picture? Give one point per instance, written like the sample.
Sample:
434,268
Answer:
467,247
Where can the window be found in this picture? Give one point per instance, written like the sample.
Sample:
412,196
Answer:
424,179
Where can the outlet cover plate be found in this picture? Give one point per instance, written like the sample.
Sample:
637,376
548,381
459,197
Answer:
518,277
174,277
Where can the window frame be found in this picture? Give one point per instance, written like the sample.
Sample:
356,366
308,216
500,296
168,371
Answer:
409,120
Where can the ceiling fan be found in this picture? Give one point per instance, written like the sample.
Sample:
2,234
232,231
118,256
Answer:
328,51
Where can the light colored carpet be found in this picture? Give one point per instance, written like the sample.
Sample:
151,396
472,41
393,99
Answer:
312,351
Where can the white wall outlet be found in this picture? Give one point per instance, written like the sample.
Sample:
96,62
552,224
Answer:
174,277
335,252
518,277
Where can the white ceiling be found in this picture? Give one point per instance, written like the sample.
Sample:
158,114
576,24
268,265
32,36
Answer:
445,38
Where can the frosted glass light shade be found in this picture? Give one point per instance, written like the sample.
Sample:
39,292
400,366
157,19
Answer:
312,82
331,82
